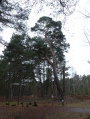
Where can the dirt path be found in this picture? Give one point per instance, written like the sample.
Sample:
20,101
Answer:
74,109
40,112
51,108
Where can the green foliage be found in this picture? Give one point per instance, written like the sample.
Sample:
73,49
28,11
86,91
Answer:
54,36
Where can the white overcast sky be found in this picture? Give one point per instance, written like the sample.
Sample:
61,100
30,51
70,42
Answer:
75,25
79,52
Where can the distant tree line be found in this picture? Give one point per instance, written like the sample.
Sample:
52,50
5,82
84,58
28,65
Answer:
78,85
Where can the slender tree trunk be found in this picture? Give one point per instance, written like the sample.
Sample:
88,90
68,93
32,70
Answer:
41,84
9,86
19,93
60,92
53,64
63,80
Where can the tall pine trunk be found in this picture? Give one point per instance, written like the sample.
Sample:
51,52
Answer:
53,64
60,92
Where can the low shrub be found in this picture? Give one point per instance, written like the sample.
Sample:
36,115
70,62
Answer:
13,104
35,104
7,103
29,103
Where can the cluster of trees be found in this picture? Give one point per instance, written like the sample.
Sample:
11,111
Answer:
33,66
38,59
78,85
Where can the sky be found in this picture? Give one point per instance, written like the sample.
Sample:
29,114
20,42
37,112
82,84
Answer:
79,52
75,25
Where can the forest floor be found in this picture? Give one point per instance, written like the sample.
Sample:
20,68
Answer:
74,108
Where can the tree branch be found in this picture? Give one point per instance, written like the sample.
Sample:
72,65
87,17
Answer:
48,60
51,50
87,38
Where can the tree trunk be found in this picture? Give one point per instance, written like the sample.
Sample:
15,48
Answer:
60,92
53,64
19,93
64,81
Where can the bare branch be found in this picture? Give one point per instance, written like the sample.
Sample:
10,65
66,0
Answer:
87,38
68,6
3,42
84,14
